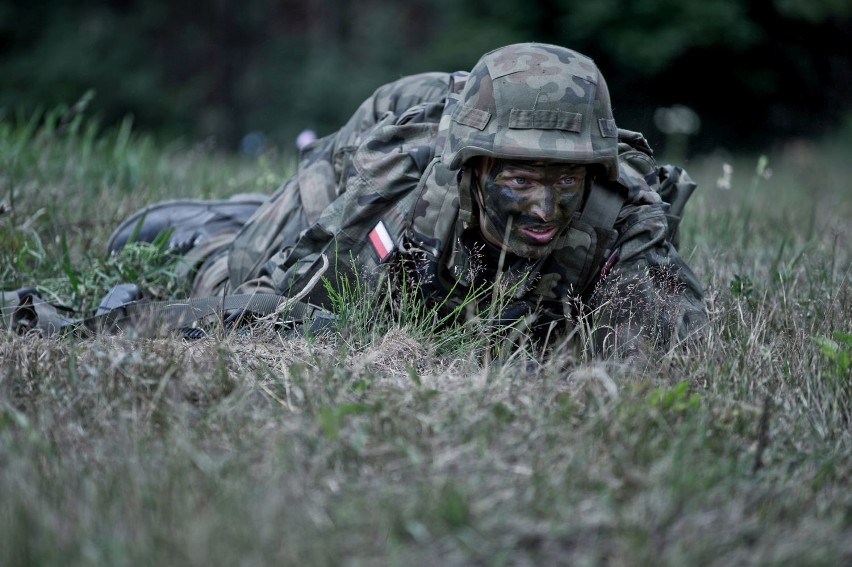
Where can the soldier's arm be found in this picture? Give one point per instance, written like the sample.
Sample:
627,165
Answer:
647,298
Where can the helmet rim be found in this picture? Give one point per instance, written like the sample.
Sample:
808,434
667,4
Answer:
533,101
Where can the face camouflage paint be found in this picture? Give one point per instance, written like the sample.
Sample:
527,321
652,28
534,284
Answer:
525,205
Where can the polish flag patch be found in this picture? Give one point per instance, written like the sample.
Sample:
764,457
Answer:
381,241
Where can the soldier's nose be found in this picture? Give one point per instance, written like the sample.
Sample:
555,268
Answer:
544,205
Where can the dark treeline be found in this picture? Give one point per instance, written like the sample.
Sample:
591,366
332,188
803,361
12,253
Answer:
754,71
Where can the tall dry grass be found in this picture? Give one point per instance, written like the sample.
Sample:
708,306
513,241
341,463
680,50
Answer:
383,445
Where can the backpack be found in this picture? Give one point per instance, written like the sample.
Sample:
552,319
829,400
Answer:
675,185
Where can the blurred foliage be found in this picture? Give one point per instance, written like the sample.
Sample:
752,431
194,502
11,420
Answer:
227,68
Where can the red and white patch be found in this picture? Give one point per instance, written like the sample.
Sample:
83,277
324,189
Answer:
381,241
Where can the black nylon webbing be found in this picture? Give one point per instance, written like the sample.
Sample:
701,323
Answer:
602,206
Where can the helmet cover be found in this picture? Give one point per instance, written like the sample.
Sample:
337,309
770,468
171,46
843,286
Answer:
534,101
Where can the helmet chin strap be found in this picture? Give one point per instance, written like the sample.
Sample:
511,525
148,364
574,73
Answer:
465,184
591,176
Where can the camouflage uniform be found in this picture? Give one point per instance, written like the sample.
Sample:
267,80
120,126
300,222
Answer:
389,190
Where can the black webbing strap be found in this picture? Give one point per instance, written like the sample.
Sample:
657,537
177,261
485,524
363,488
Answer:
600,211
153,318
602,206
465,204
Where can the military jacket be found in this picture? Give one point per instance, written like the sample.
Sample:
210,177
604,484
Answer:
376,196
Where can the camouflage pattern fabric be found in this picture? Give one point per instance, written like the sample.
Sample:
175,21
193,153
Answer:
324,170
535,101
383,196
23,311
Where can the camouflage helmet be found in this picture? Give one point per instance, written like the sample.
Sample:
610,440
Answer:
534,101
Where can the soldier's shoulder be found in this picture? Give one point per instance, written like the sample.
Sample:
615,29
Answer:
637,168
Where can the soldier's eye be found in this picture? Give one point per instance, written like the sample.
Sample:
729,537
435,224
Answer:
519,180
568,180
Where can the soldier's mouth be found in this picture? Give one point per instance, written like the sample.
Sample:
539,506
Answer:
540,234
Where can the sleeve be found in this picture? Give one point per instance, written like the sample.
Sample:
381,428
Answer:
647,298
285,246
355,237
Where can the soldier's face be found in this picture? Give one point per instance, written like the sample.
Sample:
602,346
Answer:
525,205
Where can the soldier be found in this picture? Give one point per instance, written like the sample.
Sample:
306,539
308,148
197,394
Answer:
514,173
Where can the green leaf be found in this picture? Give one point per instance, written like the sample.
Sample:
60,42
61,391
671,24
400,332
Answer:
502,413
845,338
741,286
331,418
675,398
454,508
413,375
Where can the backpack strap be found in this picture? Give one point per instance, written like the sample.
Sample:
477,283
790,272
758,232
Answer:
602,206
601,210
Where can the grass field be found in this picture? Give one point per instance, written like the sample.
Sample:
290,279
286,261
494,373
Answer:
390,446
